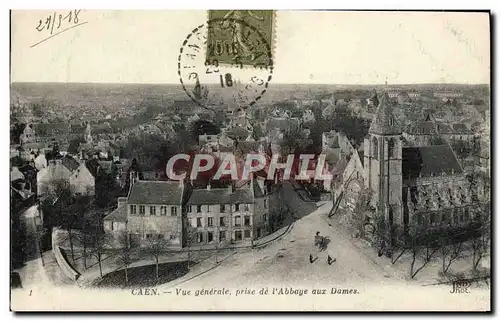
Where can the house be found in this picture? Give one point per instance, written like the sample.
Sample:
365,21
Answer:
308,116
28,135
115,223
229,215
154,210
67,171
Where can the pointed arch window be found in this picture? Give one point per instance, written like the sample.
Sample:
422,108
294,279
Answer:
392,148
375,147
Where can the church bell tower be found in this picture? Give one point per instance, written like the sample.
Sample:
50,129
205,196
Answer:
383,163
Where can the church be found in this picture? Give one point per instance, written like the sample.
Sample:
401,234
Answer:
408,184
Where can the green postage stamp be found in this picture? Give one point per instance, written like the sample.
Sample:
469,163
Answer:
240,37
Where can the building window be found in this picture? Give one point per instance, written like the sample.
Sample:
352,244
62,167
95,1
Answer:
199,237
247,220
247,207
391,148
222,236
210,221
236,207
142,209
237,221
210,237
133,209
375,147
461,216
433,218
198,222
446,218
222,221
265,203
160,236
152,210
466,214
172,236
265,217
163,210
149,236
198,208
208,208
237,236
173,211
223,208
189,209
247,234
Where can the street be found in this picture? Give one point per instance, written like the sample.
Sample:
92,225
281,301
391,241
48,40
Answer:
286,262
37,273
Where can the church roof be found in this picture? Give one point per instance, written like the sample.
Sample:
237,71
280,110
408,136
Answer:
384,122
429,161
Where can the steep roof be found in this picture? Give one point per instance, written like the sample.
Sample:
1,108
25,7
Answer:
428,161
155,192
70,163
384,122
461,129
118,215
220,196
284,124
423,128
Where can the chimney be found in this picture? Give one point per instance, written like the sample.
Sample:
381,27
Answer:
122,200
133,178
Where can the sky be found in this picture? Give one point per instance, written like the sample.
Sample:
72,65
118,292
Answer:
310,47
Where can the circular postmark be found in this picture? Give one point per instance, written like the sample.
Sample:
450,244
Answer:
225,63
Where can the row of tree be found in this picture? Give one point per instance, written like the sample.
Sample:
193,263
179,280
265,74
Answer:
423,242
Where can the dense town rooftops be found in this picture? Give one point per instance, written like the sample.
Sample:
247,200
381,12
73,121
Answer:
155,192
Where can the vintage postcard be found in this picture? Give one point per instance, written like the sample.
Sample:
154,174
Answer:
250,160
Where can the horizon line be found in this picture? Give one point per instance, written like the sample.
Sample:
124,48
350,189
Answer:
277,83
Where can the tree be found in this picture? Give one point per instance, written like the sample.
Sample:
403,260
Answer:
98,242
379,233
361,208
449,251
74,144
191,233
127,247
480,243
72,215
156,247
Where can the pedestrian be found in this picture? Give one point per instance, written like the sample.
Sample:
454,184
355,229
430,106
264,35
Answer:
317,239
311,258
330,260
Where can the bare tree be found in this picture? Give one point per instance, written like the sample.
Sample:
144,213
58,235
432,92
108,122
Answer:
480,243
423,243
99,241
379,233
157,247
361,208
191,233
127,247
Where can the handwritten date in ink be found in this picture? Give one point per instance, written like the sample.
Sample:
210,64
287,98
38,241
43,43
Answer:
58,20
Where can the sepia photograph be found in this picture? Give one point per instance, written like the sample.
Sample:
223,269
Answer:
250,160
